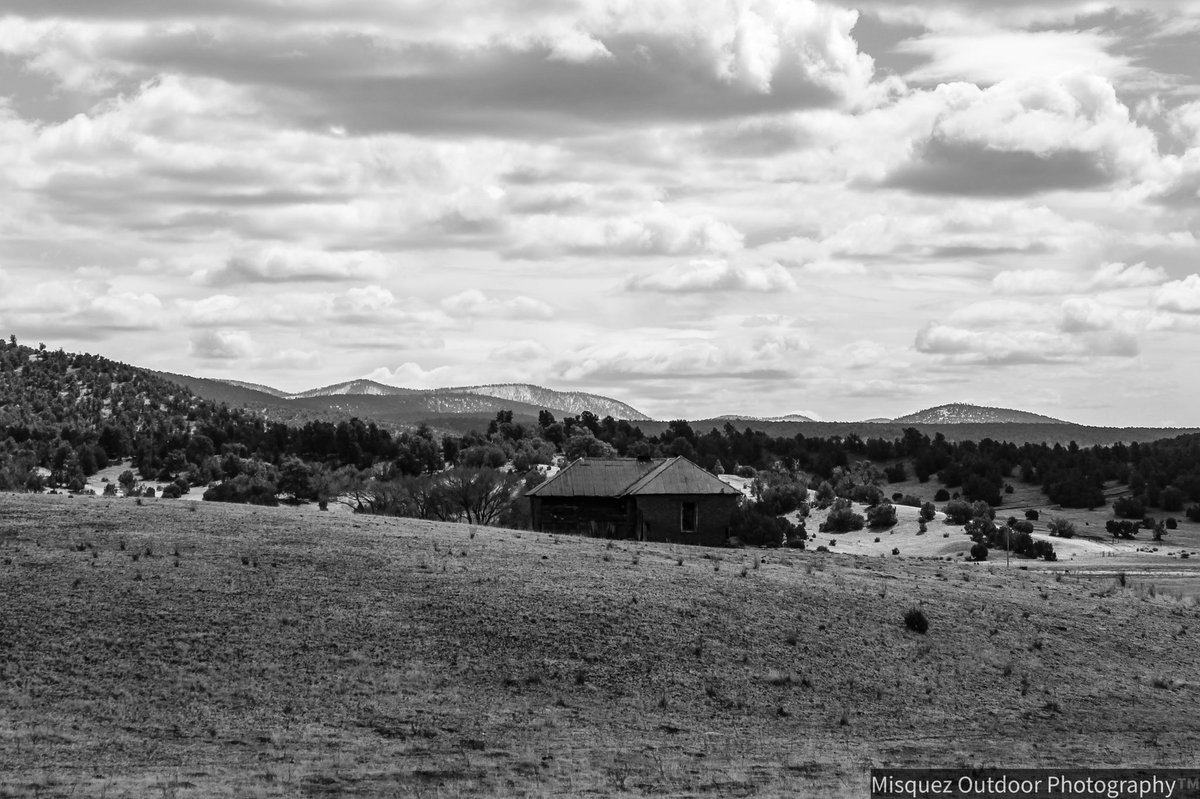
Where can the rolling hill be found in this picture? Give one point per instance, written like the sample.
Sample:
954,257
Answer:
960,413
289,652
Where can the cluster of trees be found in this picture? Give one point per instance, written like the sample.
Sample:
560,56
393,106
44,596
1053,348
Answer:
1014,536
71,415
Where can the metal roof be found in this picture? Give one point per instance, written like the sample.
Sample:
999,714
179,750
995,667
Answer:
625,476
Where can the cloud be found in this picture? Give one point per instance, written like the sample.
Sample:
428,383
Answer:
658,232
1023,137
55,306
1179,296
290,264
521,351
1114,276
961,346
985,57
474,303
221,345
1127,276
471,67
767,357
710,276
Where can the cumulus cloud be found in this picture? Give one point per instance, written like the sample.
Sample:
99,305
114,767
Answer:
764,357
658,232
58,305
1022,137
963,346
469,67
1179,296
474,303
289,264
1113,276
221,345
709,276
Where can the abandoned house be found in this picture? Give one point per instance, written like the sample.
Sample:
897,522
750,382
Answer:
671,500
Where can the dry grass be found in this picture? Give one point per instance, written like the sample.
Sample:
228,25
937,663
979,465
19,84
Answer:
366,656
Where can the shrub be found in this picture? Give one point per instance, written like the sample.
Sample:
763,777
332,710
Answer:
942,495
895,550
1062,528
957,512
752,525
1129,508
1172,523
842,519
171,491
979,551
1042,549
928,511
1193,513
1171,499
1032,515
882,515
778,493
1026,527
914,619
1122,528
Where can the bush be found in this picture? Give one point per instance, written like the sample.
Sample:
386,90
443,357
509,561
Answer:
979,551
882,515
1171,499
752,525
1129,508
778,493
942,495
171,491
1061,528
1172,523
928,511
957,512
908,500
1122,528
1193,513
914,619
842,519
1032,515
1042,549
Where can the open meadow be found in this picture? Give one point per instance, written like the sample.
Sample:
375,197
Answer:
184,649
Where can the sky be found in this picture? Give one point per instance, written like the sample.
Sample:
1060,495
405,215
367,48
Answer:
758,207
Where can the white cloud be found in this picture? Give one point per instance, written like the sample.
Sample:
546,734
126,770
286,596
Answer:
709,276
474,303
221,345
1001,55
1179,296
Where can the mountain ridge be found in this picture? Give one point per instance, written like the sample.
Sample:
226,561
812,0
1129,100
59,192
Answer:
967,413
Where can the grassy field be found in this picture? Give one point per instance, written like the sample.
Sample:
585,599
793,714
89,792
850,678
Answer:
196,650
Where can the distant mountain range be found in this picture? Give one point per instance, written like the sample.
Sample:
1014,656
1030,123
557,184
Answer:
372,400
954,413
791,417
959,413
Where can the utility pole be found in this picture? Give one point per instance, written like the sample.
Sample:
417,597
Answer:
1007,544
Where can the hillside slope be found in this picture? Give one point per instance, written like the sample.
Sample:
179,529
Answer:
960,413
286,652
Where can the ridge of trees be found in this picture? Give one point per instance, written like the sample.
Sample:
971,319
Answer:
73,414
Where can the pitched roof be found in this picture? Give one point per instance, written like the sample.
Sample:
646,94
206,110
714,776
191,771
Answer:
679,476
625,477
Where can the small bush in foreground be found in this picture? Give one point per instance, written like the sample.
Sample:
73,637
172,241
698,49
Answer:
914,619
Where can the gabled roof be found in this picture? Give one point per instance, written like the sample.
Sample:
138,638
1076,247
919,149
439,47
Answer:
679,476
628,477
